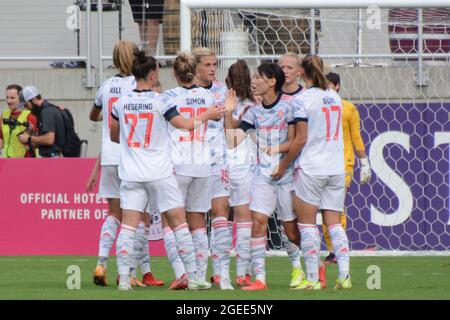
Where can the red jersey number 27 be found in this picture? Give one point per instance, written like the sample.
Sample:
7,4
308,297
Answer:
327,112
133,119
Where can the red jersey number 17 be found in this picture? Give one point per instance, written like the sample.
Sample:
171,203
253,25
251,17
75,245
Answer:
327,118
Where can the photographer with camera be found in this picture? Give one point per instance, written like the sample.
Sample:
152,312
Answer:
14,121
51,129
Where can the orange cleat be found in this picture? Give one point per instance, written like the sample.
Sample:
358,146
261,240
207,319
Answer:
244,281
179,284
150,280
322,276
134,282
100,275
215,279
257,285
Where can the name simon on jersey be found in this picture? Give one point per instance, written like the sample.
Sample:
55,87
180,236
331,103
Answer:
138,106
191,101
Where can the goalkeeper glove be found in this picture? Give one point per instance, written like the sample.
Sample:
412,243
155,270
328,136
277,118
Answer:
366,172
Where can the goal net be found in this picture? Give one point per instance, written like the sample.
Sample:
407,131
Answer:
401,87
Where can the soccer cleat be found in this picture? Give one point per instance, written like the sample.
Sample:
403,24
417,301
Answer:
198,285
100,275
322,276
225,284
150,281
125,287
297,276
343,283
135,282
257,285
215,279
309,285
179,284
331,258
244,281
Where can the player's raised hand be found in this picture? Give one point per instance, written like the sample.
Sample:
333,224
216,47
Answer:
231,101
214,113
366,172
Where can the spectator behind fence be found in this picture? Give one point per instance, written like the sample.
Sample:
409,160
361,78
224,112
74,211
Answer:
148,14
51,130
14,121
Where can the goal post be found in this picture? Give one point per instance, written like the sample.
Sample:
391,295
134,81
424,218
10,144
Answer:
397,75
187,5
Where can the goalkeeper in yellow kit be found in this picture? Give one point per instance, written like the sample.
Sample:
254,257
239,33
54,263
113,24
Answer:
353,143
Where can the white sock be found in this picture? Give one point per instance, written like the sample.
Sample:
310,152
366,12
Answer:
172,253
222,244
292,250
137,248
243,234
200,239
340,245
108,235
144,256
310,243
186,250
215,261
124,249
230,230
258,253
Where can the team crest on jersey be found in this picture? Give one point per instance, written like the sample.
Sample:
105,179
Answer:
280,114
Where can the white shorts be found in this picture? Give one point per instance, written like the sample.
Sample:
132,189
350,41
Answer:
109,183
220,182
195,192
240,189
326,192
161,194
266,197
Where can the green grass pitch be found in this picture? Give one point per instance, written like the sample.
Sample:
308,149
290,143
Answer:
45,277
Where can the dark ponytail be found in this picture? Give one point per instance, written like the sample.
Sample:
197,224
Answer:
314,70
143,65
239,80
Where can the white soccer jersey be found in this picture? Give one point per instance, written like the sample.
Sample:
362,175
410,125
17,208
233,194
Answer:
216,131
108,94
323,153
241,158
271,125
144,140
190,150
297,93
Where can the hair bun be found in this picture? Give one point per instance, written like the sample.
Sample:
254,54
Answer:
140,56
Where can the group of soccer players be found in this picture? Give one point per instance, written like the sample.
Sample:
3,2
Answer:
239,151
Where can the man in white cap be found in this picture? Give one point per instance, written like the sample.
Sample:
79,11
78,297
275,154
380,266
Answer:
51,130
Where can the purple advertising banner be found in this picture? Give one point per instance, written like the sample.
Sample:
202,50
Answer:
405,206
